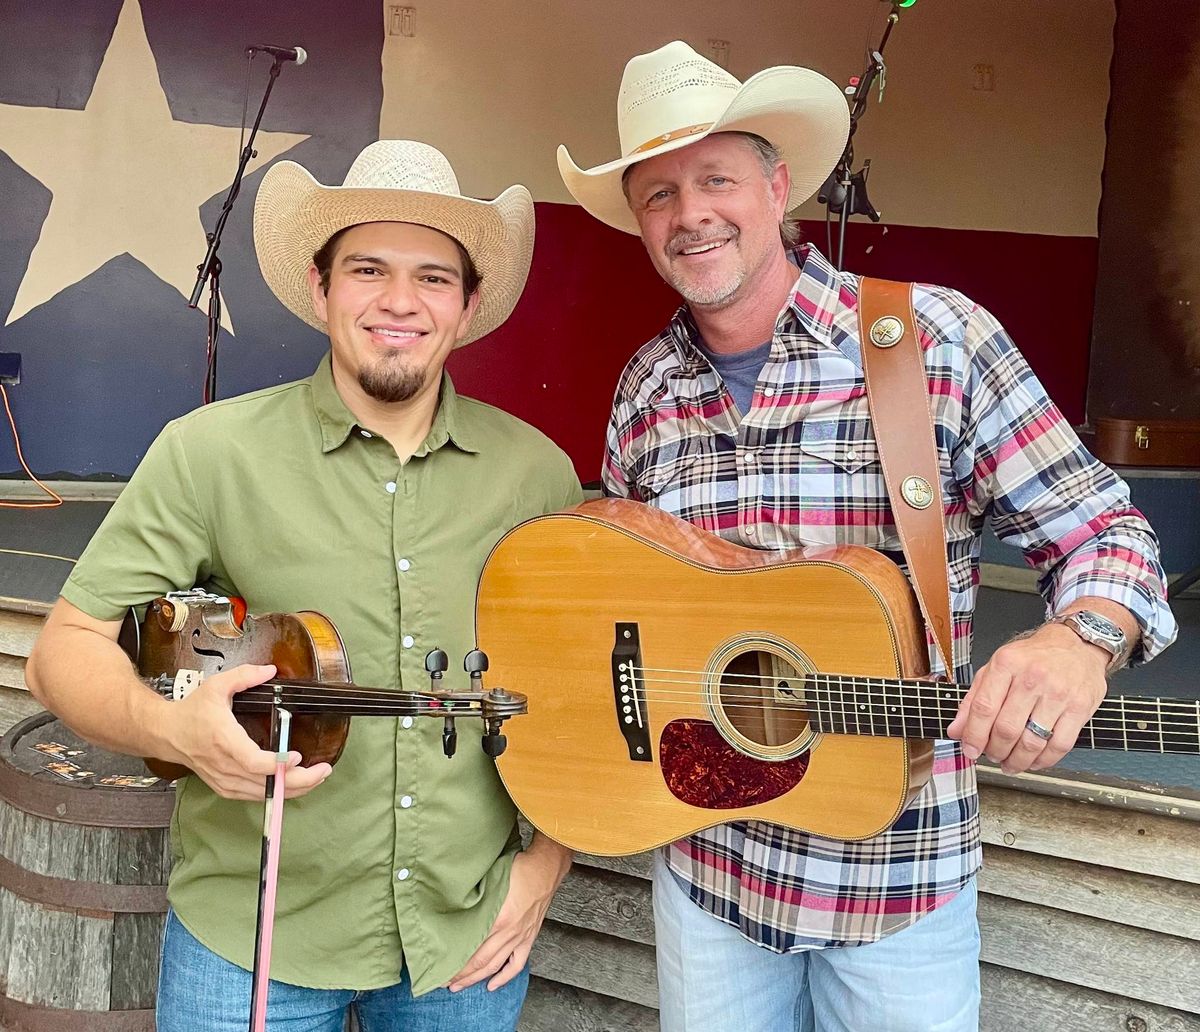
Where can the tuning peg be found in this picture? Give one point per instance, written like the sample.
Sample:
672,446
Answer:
449,737
475,662
494,744
437,663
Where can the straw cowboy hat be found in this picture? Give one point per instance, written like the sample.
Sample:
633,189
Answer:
392,181
673,97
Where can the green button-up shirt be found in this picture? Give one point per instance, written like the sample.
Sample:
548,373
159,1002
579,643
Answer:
402,856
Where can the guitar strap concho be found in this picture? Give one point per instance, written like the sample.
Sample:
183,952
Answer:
901,415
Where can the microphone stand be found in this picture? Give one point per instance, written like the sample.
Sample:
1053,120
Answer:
845,192
210,268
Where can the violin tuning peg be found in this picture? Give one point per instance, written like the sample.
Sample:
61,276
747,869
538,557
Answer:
475,662
449,738
494,744
437,662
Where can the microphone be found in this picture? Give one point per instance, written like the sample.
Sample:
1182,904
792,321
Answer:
297,54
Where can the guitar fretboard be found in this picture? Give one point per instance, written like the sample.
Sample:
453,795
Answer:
924,709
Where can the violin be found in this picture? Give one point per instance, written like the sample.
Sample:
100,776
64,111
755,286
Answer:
188,635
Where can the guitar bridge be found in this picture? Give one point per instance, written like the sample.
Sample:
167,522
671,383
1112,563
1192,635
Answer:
629,693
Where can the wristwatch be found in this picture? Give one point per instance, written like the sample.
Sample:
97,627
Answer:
1097,630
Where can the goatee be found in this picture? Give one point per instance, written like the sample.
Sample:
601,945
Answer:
391,381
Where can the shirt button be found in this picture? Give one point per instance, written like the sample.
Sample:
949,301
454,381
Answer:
406,722
751,457
390,487
405,802
751,532
403,565
768,392
365,433
407,641
402,874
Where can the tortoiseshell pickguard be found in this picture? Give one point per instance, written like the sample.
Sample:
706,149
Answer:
702,769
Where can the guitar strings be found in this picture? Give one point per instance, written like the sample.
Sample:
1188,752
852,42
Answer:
862,685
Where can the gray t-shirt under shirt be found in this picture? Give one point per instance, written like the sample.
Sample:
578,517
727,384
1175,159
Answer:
739,371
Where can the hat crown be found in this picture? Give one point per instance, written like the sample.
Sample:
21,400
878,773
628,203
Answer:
667,90
403,165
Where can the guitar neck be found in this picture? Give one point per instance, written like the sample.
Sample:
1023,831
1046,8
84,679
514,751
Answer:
907,708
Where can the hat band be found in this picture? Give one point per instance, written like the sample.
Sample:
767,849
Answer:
675,134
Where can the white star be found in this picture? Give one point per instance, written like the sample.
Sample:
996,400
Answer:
126,177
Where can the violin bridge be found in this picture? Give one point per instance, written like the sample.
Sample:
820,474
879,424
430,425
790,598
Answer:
186,682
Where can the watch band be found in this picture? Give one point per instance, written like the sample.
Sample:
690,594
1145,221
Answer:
1097,629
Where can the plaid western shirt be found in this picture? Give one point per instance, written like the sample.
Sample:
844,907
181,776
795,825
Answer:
801,468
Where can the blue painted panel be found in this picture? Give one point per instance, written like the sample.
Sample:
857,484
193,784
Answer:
109,360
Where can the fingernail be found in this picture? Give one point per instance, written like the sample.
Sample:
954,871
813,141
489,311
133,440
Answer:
970,752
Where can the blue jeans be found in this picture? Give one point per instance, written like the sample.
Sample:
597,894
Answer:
711,979
199,991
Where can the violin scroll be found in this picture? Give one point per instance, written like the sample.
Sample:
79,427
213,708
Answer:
493,706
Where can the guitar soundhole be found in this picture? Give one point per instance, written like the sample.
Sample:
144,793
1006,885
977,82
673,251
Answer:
761,696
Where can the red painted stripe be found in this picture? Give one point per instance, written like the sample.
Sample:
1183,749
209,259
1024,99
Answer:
593,299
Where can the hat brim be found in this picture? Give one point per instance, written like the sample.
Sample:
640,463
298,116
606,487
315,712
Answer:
294,216
799,111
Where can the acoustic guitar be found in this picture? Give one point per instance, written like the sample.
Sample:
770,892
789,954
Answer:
677,681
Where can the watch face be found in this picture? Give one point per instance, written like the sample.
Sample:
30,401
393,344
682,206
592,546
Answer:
1098,624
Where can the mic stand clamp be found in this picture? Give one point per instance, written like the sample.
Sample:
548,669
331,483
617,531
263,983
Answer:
210,268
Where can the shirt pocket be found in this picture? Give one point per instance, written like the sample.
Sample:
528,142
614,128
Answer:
835,486
825,451
679,476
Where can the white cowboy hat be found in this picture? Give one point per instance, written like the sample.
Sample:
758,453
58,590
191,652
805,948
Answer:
673,97
392,181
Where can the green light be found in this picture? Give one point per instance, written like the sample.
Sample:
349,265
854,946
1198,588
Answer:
905,3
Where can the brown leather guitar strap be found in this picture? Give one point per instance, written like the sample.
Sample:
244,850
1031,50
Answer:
901,414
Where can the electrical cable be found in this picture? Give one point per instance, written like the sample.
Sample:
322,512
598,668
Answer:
25,466
37,555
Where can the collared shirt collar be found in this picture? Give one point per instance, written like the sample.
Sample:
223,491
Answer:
337,421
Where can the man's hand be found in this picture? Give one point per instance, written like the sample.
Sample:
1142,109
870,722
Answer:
1051,677
203,733
536,874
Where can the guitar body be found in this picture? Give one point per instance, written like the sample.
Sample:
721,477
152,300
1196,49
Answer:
713,640
208,638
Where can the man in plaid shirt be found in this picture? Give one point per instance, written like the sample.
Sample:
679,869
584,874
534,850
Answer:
748,417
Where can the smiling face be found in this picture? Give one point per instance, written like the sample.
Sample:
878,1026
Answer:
709,217
394,308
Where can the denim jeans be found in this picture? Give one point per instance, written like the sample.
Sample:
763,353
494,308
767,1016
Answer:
199,991
711,979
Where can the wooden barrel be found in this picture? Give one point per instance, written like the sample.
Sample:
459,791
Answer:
83,871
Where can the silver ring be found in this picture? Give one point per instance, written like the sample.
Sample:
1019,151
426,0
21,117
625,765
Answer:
1043,733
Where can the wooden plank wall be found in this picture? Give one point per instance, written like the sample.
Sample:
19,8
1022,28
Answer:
1090,919
17,632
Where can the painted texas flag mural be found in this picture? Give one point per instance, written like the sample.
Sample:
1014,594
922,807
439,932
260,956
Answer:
120,126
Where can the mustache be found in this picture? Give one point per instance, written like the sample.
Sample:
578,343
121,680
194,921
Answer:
721,234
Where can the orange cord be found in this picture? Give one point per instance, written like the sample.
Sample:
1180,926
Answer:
25,466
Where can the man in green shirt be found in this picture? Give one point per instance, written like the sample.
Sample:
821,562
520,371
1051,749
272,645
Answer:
372,493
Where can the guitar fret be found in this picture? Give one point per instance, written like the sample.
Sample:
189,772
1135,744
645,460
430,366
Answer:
879,710
860,727
1143,726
